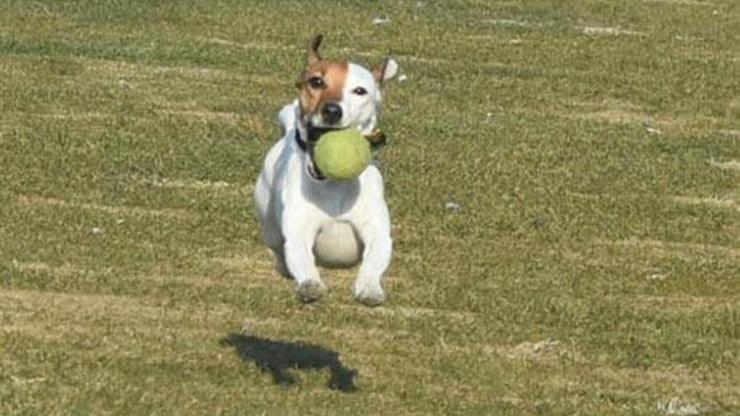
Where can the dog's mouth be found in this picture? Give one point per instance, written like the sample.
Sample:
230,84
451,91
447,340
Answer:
315,133
314,171
377,139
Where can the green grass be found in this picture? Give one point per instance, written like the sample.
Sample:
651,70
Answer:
593,268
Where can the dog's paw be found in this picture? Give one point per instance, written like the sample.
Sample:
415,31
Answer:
310,291
369,294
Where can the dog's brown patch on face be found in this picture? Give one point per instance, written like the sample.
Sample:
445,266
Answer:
333,75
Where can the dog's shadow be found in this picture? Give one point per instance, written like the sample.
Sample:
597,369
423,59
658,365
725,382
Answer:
279,358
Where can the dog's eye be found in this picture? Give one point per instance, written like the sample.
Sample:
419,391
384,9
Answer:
316,83
359,91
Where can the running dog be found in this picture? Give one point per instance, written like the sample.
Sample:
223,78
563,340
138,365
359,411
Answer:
309,220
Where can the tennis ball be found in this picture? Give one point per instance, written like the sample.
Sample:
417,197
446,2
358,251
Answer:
342,155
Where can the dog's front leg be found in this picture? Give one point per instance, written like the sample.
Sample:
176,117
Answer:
300,233
376,236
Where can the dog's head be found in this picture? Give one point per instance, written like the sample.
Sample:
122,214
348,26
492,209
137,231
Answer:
336,94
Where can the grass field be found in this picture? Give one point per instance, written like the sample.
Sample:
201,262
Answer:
592,268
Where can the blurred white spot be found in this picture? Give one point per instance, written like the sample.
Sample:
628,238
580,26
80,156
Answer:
402,78
676,407
381,21
545,345
731,164
21,381
683,2
507,22
656,276
120,221
612,31
730,132
97,231
453,206
651,130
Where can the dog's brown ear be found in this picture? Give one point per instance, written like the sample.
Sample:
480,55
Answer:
387,70
313,57
313,49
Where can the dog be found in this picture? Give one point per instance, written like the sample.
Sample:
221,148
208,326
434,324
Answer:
308,220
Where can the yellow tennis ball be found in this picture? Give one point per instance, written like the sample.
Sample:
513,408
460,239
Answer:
342,155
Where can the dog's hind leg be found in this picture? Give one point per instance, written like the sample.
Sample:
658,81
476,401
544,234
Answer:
273,238
271,233
280,265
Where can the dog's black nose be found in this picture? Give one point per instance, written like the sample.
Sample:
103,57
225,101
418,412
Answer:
331,113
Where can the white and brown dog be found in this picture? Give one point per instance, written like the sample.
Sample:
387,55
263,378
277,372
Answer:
308,220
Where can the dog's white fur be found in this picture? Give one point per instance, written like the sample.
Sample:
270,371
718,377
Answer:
308,222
